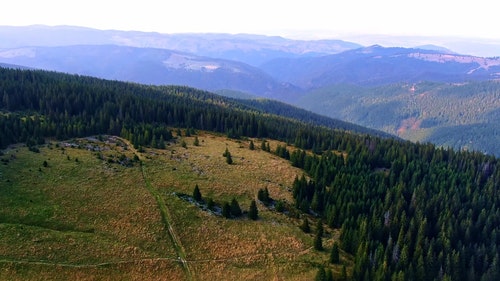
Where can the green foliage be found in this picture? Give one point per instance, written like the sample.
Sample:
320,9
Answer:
318,237
305,226
253,212
282,152
263,195
227,154
196,141
197,194
320,275
335,254
210,204
343,274
329,275
280,206
251,146
226,210
398,205
462,116
235,208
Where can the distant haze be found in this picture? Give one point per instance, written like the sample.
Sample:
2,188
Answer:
474,22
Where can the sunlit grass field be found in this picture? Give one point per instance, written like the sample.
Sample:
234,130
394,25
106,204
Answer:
86,210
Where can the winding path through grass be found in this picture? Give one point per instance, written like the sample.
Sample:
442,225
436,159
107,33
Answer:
166,218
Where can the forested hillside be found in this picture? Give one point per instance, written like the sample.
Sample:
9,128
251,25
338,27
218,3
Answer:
458,115
405,211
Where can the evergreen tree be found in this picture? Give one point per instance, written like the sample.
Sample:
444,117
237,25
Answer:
305,226
334,254
319,228
227,154
329,275
263,195
226,210
210,204
196,142
318,242
253,212
235,208
320,275
318,238
197,193
343,274
263,145
280,206
251,146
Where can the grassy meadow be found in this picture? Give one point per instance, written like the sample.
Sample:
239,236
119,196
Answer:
88,209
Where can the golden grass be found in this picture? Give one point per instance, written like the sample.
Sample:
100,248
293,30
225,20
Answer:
95,220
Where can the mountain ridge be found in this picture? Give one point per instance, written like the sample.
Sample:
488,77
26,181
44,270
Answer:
248,48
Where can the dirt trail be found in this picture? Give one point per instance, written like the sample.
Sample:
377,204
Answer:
166,218
165,214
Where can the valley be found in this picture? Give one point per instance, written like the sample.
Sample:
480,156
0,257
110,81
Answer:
113,180
339,79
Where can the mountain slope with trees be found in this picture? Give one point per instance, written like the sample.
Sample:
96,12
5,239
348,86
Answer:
376,65
403,211
458,115
150,66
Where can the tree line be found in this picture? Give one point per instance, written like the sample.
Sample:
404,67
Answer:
406,211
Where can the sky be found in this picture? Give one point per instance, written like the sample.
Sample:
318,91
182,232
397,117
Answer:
311,19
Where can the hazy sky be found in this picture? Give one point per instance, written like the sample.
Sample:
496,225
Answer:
306,19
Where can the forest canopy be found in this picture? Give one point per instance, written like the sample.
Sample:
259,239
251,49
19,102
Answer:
405,211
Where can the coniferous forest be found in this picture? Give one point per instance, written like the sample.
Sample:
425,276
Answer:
405,211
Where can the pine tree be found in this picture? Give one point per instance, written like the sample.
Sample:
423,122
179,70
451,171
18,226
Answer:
253,212
263,145
235,208
318,242
320,275
318,239
305,226
329,275
251,146
197,193
226,210
196,141
227,154
210,204
343,274
334,254
319,228
263,195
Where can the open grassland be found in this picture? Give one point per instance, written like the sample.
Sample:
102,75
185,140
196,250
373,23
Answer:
84,209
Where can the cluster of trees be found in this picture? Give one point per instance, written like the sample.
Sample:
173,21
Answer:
406,211
228,209
40,104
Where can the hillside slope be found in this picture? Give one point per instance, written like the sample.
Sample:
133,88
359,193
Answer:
377,65
87,215
401,210
462,116
150,66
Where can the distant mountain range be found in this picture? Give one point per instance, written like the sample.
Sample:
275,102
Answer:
247,48
376,65
331,77
150,66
